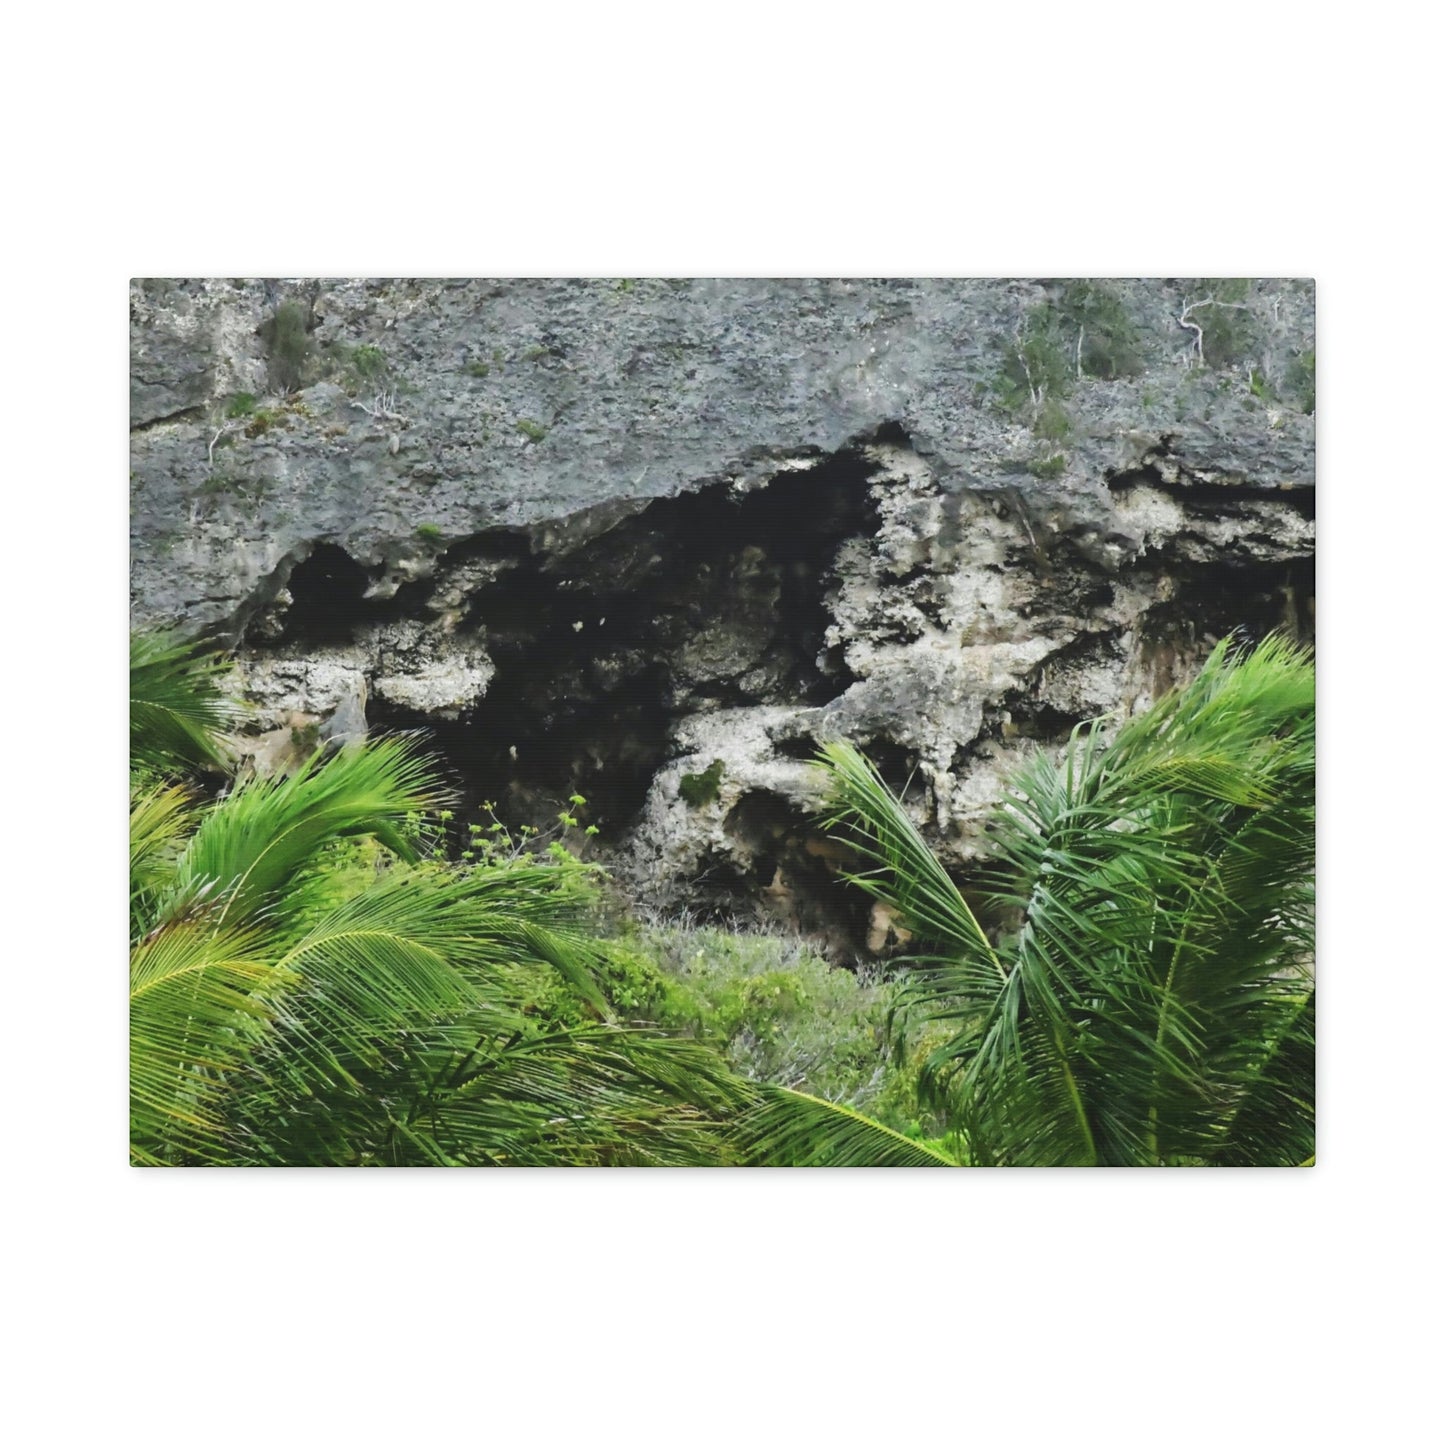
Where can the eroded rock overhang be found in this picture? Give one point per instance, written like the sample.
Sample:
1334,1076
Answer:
893,566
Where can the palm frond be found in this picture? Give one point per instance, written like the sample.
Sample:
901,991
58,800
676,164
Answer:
788,1128
1163,884
263,848
199,1000
177,709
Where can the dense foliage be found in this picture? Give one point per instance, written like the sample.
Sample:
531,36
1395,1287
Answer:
1147,994
309,986
314,982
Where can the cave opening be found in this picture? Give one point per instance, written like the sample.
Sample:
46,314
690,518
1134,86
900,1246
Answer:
1248,599
327,590
709,599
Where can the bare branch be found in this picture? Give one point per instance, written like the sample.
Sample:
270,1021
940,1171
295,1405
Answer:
211,450
1198,344
382,407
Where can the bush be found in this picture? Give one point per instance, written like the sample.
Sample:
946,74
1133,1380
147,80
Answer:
1231,334
289,346
1110,345
1036,363
777,1011
1300,381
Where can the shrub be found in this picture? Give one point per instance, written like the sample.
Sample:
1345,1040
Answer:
1109,346
1231,334
699,789
289,346
1053,422
1036,363
1300,381
775,1008
1050,467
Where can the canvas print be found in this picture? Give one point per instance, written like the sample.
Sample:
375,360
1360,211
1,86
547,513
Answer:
754,722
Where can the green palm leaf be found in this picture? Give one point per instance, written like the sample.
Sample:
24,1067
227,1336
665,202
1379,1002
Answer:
787,1128
1138,1011
177,709
265,849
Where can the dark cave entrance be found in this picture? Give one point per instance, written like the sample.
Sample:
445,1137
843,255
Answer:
709,599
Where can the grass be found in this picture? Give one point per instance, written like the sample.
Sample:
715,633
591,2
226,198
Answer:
289,346
1050,467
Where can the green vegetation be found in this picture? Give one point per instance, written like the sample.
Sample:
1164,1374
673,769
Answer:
1084,330
311,983
1300,381
290,348
240,405
1107,343
177,708
316,979
429,532
532,430
776,1010
368,363
478,369
1037,365
1145,994
1049,467
699,789
1053,422
1231,333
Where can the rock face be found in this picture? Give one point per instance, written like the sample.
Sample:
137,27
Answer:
602,536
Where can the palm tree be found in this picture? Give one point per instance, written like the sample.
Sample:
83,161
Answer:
309,986
1145,995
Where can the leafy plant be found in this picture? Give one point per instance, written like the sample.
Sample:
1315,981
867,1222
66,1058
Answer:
1053,422
1049,467
429,532
299,998
697,790
177,707
368,362
242,404
1146,993
534,431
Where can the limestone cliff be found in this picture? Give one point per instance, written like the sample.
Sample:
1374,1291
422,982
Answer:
600,536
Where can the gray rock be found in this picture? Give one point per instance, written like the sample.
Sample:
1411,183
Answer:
630,528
